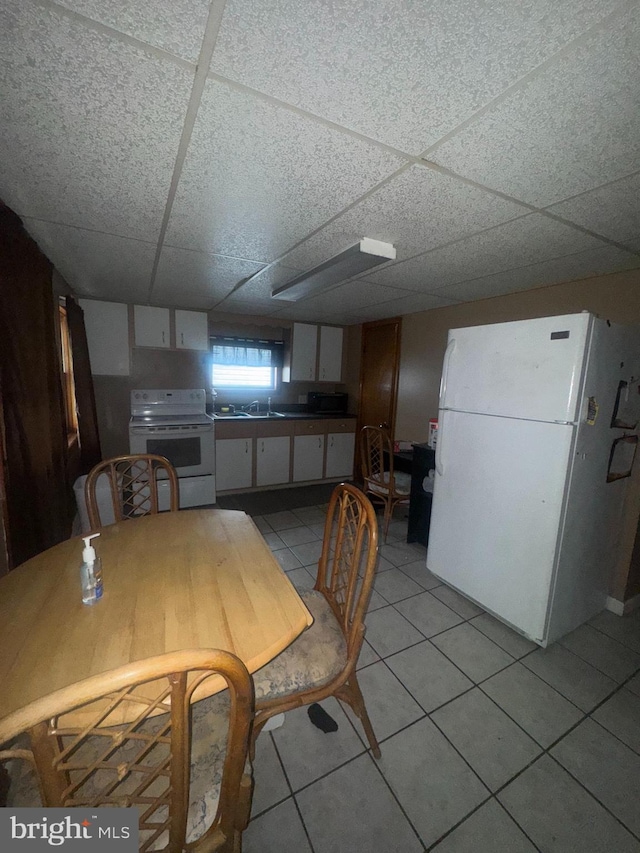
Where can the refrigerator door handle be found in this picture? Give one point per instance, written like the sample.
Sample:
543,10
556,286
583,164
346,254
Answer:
445,370
439,465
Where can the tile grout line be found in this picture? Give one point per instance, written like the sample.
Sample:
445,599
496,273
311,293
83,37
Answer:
576,42
427,715
292,794
410,159
544,751
474,685
620,642
547,750
594,797
117,35
214,20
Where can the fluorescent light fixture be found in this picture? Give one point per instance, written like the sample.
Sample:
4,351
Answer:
362,256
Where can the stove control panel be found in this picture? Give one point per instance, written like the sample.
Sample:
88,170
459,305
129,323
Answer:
171,401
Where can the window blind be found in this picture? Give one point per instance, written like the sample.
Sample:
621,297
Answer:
247,352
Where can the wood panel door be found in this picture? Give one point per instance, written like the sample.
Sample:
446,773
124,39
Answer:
379,365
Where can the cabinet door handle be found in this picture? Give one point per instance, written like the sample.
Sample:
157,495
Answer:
246,447
163,336
182,338
331,441
319,442
262,451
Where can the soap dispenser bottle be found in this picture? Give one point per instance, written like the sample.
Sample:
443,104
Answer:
90,572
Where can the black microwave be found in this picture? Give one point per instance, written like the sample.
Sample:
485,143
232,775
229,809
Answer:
326,404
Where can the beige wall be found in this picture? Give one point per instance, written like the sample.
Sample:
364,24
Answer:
424,336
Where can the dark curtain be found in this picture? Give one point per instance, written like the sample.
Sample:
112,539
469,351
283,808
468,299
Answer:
39,504
90,453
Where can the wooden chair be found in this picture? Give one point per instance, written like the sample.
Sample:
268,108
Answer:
134,486
321,662
185,767
387,486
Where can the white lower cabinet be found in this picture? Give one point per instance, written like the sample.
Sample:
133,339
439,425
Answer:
340,449
272,460
308,457
234,463
256,455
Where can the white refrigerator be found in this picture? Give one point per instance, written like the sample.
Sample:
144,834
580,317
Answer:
527,502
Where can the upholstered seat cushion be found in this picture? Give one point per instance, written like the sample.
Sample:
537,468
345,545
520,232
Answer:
402,480
210,720
316,657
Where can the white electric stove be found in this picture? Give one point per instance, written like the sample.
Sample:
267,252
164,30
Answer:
174,423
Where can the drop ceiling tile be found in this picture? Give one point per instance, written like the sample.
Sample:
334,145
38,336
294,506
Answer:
260,287
573,127
93,264
352,296
402,71
121,292
569,268
407,305
612,210
188,301
517,243
177,27
247,306
258,178
416,210
307,315
199,273
89,126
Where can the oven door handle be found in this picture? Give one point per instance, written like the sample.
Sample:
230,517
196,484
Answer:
171,431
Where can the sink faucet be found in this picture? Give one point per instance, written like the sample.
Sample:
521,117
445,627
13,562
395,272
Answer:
253,403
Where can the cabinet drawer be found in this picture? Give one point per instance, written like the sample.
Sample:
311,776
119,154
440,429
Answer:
341,425
234,429
310,427
277,427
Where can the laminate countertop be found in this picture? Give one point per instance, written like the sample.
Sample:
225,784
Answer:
278,416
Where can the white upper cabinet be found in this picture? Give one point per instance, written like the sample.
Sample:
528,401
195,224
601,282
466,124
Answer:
304,350
330,361
192,330
151,326
107,328
316,353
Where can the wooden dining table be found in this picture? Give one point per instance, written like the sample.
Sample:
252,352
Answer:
192,579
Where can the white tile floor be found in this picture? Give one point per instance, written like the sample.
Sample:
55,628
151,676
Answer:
489,744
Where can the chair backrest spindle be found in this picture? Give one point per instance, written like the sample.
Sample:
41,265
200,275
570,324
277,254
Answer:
349,548
133,483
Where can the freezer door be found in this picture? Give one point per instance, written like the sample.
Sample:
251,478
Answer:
496,513
526,369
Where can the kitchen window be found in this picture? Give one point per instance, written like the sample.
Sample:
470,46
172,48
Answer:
246,363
